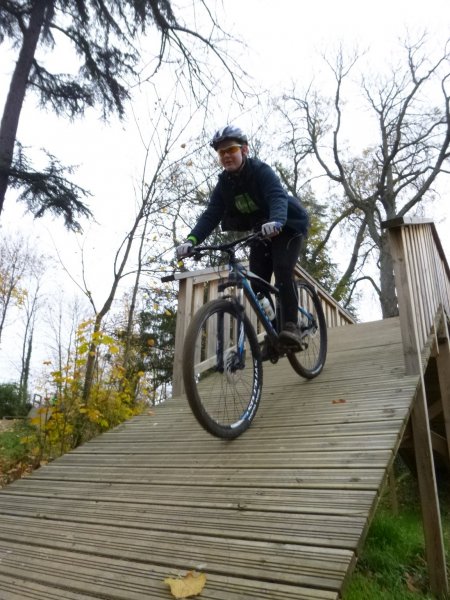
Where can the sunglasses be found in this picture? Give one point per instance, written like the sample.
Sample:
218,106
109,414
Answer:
230,150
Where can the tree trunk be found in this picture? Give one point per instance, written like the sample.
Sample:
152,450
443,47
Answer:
91,360
25,374
388,296
3,311
16,93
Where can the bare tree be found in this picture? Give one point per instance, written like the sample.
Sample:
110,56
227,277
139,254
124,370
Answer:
157,195
62,321
17,260
394,176
31,307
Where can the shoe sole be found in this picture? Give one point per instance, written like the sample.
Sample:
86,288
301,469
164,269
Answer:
290,340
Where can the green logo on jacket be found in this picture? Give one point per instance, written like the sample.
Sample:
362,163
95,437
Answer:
245,204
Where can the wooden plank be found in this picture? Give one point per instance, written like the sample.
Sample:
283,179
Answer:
294,564
15,588
366,457
50,572
326,502
317,443
322,478
337,531
140,436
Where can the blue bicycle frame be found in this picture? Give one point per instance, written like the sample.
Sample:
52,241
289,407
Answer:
240,277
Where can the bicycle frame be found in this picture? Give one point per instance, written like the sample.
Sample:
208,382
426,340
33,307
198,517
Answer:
241,278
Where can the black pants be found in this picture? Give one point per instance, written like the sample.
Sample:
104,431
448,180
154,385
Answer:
278,256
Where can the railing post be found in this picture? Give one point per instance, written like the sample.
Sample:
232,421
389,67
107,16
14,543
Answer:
431,517
183,313
443,368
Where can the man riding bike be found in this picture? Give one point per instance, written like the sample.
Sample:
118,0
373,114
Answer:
249,196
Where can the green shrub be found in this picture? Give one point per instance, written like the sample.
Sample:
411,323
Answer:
17,453
11,403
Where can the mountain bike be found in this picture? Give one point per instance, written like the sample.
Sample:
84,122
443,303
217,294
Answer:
222,362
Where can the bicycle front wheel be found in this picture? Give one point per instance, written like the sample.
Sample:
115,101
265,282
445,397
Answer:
222,369
310,360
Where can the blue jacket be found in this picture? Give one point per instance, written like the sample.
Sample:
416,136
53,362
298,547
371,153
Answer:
244,201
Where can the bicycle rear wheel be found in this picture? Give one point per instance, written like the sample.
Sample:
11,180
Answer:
222,369
310,361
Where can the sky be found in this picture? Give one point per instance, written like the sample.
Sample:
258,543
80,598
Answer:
284,42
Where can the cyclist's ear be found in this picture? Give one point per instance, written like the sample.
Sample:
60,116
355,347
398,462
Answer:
245,149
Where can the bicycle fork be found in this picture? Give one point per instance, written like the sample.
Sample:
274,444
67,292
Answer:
230,357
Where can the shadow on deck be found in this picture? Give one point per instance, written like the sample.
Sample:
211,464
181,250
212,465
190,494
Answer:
280,513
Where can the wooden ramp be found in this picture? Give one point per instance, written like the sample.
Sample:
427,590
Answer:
279,513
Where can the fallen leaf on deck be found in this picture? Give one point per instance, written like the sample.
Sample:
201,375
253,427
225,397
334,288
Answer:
188,586
339,401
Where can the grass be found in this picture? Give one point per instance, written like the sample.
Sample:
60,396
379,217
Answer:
392,565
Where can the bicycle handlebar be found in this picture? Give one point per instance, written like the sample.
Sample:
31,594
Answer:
228,246
199,251
167,278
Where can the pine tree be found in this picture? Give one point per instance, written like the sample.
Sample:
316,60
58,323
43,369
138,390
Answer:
103,35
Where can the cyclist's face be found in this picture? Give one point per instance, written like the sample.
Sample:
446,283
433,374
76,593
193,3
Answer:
231,155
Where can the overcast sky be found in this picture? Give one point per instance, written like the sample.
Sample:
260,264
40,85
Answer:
284,42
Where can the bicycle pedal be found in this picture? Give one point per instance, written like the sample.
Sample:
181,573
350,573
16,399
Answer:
290,347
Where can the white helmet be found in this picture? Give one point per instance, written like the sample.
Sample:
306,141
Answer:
229,132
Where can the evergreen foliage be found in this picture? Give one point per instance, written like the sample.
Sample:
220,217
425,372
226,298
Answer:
11,402
104,37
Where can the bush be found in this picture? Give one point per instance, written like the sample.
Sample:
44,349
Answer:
17,454
11,403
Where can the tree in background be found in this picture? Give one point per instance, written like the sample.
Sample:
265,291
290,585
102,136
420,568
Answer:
411,108
32,304
11,403
278,142
104,38
150,344
157,335
291,166
17,262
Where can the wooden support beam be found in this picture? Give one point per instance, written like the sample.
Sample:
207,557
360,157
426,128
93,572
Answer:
431,517
439,445
443,368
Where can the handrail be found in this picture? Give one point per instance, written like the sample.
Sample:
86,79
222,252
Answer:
422,276
198,287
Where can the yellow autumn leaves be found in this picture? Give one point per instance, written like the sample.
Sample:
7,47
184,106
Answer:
188,586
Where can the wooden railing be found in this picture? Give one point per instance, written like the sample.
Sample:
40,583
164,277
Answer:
423,285
198,287
422,279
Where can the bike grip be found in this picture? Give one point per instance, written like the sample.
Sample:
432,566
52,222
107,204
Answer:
167,278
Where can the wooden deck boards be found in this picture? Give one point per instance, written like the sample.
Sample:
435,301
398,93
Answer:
279,513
